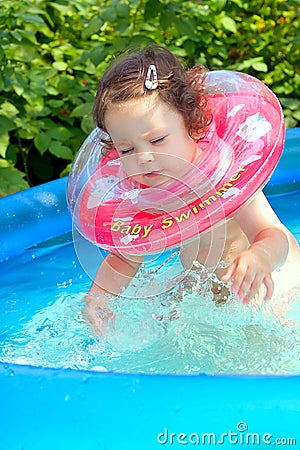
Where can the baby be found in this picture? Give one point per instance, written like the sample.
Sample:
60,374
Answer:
154,113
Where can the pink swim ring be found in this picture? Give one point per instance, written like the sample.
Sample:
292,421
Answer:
242,147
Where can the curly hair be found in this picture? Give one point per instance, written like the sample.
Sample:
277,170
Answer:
182,89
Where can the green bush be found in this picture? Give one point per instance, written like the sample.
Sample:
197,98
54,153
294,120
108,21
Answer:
53,52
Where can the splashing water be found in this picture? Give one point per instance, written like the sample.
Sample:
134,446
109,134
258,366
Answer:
181,330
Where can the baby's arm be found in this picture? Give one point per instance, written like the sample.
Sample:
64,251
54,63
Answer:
113,276
270,242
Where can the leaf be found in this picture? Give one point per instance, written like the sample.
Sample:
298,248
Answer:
296,115
20,83
93,27
97,55
238,2
229,24
283,89
185,27
82,110
166,18
6,124
65,85
59,133
11,179
152,9
260,67
290,103
255,63
2,58
29,36
61,151
34,18
42,142
51,90
17,35
4,141
66,171
60,65
218,4
8,110
123,10
290,122
87,124
24,52
109,14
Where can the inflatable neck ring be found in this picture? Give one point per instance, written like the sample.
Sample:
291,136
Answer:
241,149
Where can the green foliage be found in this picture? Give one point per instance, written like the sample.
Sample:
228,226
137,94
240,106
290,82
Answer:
43,88
53,53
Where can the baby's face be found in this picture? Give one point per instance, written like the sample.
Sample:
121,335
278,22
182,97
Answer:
151,139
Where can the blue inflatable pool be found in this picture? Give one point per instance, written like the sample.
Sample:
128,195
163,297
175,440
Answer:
64,409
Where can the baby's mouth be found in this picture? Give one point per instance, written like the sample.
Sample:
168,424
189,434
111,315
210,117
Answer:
153,174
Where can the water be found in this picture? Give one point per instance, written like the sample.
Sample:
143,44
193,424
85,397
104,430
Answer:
42,320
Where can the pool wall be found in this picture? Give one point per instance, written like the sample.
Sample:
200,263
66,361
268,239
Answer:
60,409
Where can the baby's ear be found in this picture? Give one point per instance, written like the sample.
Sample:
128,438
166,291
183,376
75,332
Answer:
197,138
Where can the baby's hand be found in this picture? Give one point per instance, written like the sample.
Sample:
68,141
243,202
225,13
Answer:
248,272
96,314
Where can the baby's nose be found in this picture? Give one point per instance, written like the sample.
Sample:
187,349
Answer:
145,157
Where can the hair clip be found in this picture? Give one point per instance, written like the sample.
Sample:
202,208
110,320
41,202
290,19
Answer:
151,82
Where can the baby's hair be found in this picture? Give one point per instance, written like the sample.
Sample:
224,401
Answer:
181,89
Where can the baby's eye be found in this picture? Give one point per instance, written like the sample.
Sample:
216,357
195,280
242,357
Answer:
126,150
158,140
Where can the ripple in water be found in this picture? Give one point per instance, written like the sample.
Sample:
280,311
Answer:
181,331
